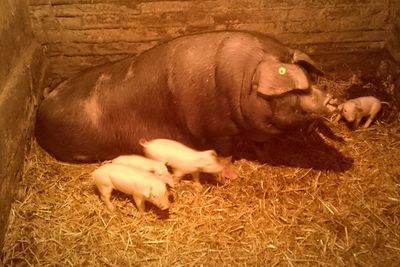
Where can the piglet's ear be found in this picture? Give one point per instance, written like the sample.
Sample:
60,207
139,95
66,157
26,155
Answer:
273,78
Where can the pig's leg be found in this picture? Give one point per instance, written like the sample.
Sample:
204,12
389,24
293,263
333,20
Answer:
368,122
356,122
105,195
196,179
177,176
139,201
370,119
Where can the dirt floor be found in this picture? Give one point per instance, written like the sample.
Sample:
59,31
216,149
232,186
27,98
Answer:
326,198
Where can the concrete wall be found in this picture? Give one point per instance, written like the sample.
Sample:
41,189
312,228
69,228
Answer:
22,72
82,33
393,42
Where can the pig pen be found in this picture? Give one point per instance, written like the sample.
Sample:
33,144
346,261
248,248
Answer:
316,201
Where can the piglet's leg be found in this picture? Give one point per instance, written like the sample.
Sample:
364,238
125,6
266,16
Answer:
105,195
139,201
356,123
370,119
177,176
196,178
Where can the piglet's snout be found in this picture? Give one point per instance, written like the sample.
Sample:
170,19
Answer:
162,201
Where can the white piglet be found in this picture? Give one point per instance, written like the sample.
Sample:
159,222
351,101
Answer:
182,159
354,110
155,166
142,185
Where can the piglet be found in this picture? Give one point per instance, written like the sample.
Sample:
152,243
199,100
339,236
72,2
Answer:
154,166
142,185
182,159
354,110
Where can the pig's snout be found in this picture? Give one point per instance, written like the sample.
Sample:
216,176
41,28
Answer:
164,203
330,103
228,171
165,207
161,199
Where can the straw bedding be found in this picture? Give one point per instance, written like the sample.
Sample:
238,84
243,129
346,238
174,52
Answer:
314,201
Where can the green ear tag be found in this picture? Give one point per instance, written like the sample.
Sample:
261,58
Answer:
282,70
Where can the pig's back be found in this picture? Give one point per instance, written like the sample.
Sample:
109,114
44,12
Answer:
135,161
168,150
129,180
368,103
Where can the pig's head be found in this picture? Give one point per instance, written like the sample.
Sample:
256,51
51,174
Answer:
158,195
207,162
282,96
349,110
273,78
229,172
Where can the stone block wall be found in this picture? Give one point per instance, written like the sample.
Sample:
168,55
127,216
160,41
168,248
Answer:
22,74
81,33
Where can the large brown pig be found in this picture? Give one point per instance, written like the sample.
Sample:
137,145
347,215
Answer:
198,89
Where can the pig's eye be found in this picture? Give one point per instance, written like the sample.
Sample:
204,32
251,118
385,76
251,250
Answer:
282,71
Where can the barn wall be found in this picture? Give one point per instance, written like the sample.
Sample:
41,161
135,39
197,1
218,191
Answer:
81,33
21,75
393,43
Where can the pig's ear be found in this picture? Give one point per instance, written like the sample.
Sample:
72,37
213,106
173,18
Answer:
273,78
306,62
